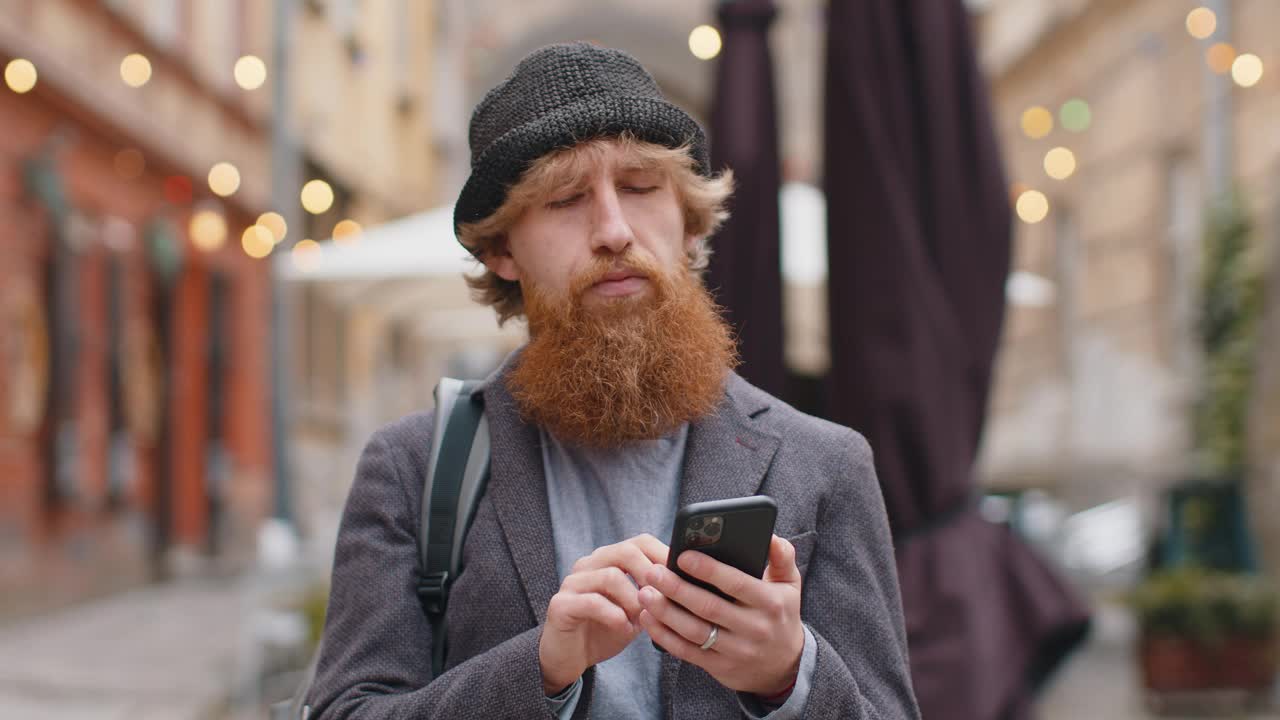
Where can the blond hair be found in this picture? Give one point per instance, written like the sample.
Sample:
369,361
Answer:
702,199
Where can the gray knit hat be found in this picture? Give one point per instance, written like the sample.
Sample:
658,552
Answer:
558,96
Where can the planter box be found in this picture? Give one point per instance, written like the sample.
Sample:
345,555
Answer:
1171,663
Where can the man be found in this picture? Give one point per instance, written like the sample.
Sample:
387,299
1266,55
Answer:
590,203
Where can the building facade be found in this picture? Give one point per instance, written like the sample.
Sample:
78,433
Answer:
1098,375
143,142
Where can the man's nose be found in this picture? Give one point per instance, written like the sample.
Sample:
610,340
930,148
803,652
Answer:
611,231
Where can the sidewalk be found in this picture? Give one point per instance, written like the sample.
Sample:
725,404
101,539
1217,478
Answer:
166,652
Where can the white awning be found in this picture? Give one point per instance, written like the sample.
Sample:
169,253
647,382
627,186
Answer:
421,245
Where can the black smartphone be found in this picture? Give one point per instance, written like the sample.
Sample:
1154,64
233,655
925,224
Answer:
736,532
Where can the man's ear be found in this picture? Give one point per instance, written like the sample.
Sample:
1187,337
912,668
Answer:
499,261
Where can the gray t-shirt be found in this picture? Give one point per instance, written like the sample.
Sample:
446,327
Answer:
601,497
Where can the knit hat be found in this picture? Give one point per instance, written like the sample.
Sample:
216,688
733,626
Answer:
557,97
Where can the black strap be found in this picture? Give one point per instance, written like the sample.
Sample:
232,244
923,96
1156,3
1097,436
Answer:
451,466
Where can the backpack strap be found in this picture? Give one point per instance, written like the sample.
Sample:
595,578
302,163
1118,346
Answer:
455,480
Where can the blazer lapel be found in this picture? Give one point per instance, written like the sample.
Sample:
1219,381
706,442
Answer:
518,490
725,458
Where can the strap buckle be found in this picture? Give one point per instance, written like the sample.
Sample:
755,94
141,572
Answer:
433,591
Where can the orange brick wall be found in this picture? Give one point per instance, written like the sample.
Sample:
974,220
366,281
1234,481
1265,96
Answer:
56,552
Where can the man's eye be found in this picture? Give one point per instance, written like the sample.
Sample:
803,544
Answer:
640,189
565,202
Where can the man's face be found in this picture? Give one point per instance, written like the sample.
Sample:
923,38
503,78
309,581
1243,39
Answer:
612,207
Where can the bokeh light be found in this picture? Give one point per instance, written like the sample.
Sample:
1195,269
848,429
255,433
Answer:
274,222
1201,22
317,197
1016,189
1037,122
20,75
224,179
305,254
1247,70
1075,115
129,164
178,189
257,241
347,231
1059,163
250,72
704,42
1032,206
208,230
1220,56
135,70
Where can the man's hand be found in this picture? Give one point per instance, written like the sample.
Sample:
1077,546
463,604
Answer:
595,614
761,637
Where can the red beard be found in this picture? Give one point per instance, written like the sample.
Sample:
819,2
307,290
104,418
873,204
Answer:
632,368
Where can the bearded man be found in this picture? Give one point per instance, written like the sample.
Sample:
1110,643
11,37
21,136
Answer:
589,204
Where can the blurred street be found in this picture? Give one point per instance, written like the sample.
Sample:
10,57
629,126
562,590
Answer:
166,652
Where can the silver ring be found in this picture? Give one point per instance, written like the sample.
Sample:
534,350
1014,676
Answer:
711,638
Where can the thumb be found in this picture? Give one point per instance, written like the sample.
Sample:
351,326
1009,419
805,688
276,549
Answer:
782,562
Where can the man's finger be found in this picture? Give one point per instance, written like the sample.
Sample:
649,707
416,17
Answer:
611,582
730,580
782,562
591,607
626,555
702,603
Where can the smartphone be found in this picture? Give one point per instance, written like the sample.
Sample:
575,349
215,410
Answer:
736,532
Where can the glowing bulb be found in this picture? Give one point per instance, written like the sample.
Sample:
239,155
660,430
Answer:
275,223
257,241
1075,115
208,230
1033,206
1059,163
20,75
1201,22
135,70
347,231
305,254
1247,70
1220,56
317,197
250,72
704,42
224,179
1037,122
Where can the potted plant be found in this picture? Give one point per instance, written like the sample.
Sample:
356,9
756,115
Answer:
1206,630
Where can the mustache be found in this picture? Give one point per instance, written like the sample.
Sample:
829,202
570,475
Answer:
602,269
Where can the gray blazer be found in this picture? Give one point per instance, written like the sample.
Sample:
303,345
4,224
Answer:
376,661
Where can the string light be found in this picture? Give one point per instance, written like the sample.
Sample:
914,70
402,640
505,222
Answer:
1220,56
317,197
1201,22
224,179
1059,163
1032,206
1037,122
257,241
275,223
20,75
704,42
250,72
135,70
1075,115
1247,70
347,231
305,255
208,230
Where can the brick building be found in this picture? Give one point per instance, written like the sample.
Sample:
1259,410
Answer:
134,423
